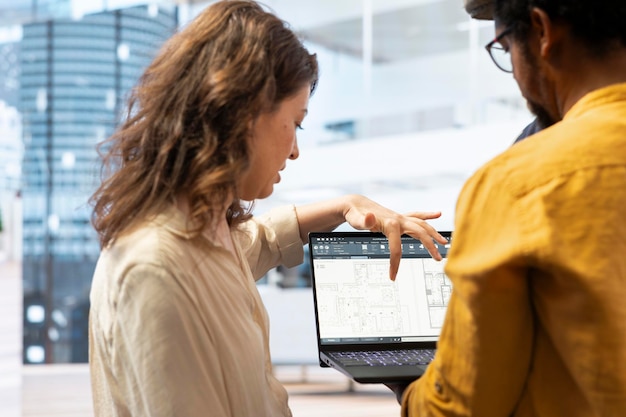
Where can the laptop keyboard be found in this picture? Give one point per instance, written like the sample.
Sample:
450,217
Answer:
384,357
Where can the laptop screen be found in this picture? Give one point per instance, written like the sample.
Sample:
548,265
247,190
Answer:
355,300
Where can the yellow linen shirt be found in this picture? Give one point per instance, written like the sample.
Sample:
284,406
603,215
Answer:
536,325
177,326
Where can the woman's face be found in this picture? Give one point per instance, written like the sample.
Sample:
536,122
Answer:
273,141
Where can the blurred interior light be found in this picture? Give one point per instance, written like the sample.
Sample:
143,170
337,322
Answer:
42,100
54,222
123,52
153,10
54,334
35,313
59,318
68,160
35,354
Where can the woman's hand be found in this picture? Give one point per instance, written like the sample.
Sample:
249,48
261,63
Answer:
364,214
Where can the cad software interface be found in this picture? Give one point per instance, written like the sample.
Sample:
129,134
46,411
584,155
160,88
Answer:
356,300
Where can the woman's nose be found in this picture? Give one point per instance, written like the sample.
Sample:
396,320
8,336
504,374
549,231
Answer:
295,151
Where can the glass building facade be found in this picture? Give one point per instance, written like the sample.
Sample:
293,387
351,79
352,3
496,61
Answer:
74,78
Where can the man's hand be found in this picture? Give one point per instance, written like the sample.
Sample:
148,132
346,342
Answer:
398,389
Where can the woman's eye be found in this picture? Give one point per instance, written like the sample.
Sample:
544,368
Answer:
299,126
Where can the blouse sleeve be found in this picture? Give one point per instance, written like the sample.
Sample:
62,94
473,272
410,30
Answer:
272,239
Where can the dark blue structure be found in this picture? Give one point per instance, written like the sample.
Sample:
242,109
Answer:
74,78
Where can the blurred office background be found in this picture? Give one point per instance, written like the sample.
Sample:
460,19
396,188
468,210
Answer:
408,106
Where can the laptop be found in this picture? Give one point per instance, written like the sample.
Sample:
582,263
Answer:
363,318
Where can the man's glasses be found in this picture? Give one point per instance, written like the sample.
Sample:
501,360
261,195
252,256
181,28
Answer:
498,54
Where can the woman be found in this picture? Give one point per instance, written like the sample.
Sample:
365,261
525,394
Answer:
177,326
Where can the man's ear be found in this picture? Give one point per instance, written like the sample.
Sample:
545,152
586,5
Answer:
543,30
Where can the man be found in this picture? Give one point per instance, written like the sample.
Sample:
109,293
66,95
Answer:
483,10
536,325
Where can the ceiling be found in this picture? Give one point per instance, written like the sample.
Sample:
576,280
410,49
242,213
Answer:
404,33
400,29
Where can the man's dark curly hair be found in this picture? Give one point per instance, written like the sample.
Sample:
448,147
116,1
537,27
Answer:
598,24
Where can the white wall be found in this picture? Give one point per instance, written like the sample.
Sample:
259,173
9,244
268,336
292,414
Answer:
409,172
405,87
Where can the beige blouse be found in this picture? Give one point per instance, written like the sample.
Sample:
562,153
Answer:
177,326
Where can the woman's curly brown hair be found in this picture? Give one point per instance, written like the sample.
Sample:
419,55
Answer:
188,120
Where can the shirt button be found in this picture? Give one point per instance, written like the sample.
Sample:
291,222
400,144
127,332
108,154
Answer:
438,387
